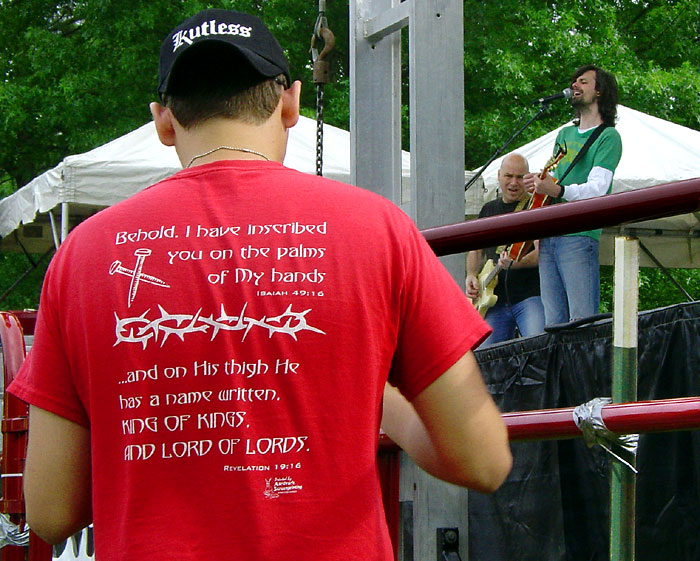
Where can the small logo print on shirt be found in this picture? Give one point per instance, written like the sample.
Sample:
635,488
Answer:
276,486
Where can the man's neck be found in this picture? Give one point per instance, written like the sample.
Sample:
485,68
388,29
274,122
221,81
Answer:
589,117
259,142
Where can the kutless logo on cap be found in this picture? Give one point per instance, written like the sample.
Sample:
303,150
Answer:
246,33
208,29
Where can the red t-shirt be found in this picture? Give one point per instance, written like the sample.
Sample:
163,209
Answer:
226,335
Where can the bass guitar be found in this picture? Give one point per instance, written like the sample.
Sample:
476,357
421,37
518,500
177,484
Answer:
519,249
488,279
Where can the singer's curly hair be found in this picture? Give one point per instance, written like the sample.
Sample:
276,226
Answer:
606,85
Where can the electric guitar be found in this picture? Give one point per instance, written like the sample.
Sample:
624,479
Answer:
519,249
488,279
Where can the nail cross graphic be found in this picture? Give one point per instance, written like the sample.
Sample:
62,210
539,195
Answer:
116,267
136,274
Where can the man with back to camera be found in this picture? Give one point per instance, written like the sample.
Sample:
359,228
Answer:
569,266
518,307
217,393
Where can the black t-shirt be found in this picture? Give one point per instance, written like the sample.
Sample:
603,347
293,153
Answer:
514,285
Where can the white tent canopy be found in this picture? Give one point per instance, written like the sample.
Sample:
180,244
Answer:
114,171
654,152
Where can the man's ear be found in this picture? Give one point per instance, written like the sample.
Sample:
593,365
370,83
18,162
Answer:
163,119
290,104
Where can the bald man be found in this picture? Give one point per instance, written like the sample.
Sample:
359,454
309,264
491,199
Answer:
518,306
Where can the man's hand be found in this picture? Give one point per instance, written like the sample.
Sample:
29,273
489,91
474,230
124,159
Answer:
472,285
547,186
504,261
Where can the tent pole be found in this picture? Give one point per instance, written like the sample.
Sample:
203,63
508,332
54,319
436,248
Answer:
54,232
65,221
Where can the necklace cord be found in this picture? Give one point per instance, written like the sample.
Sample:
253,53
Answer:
234,148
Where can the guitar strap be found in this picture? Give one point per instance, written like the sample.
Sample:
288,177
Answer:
521,204
591,139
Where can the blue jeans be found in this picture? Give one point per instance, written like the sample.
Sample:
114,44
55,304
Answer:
569,278
527,315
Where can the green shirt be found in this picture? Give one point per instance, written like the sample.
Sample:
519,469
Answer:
605,152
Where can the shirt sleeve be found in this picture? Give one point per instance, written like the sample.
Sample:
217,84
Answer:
45,379
437,325
598,183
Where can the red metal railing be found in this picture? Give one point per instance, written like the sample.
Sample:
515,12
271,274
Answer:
14,423
14,444
661,415
633,206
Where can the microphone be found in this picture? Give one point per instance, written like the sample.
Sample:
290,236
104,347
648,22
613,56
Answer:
567,93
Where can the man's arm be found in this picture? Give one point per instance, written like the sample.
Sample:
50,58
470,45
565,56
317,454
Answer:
57,482
458,434
475,261
596,185
402,424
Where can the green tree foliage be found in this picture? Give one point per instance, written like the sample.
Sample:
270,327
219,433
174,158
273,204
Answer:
75,74
655,289
20,281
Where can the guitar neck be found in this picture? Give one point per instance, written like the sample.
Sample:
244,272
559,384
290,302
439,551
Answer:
492,274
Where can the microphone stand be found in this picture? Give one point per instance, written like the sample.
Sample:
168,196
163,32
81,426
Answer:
543,107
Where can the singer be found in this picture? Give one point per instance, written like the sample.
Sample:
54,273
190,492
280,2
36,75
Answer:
569,267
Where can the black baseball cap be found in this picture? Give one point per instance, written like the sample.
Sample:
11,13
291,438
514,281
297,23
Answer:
247,34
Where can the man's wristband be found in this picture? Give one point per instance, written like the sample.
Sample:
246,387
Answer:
561,193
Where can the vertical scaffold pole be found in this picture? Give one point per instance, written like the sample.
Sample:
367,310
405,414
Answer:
435,57
624,389
435,34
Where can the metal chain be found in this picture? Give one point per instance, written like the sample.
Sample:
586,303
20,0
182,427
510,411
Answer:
319,129
321,74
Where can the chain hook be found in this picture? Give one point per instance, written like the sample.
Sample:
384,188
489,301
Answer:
322,33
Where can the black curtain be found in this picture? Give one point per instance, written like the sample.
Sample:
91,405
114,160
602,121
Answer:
555,503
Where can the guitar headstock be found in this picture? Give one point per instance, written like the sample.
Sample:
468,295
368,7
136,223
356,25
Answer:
553,162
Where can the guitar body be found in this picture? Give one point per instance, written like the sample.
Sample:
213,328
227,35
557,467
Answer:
538,200
488,279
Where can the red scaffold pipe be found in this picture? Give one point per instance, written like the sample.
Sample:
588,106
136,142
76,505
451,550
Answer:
14,422
663,415
600,212
621,418
14,447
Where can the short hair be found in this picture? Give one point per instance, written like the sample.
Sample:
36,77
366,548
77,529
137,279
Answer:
606,85
215,81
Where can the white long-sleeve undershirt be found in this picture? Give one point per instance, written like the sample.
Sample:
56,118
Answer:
596,184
